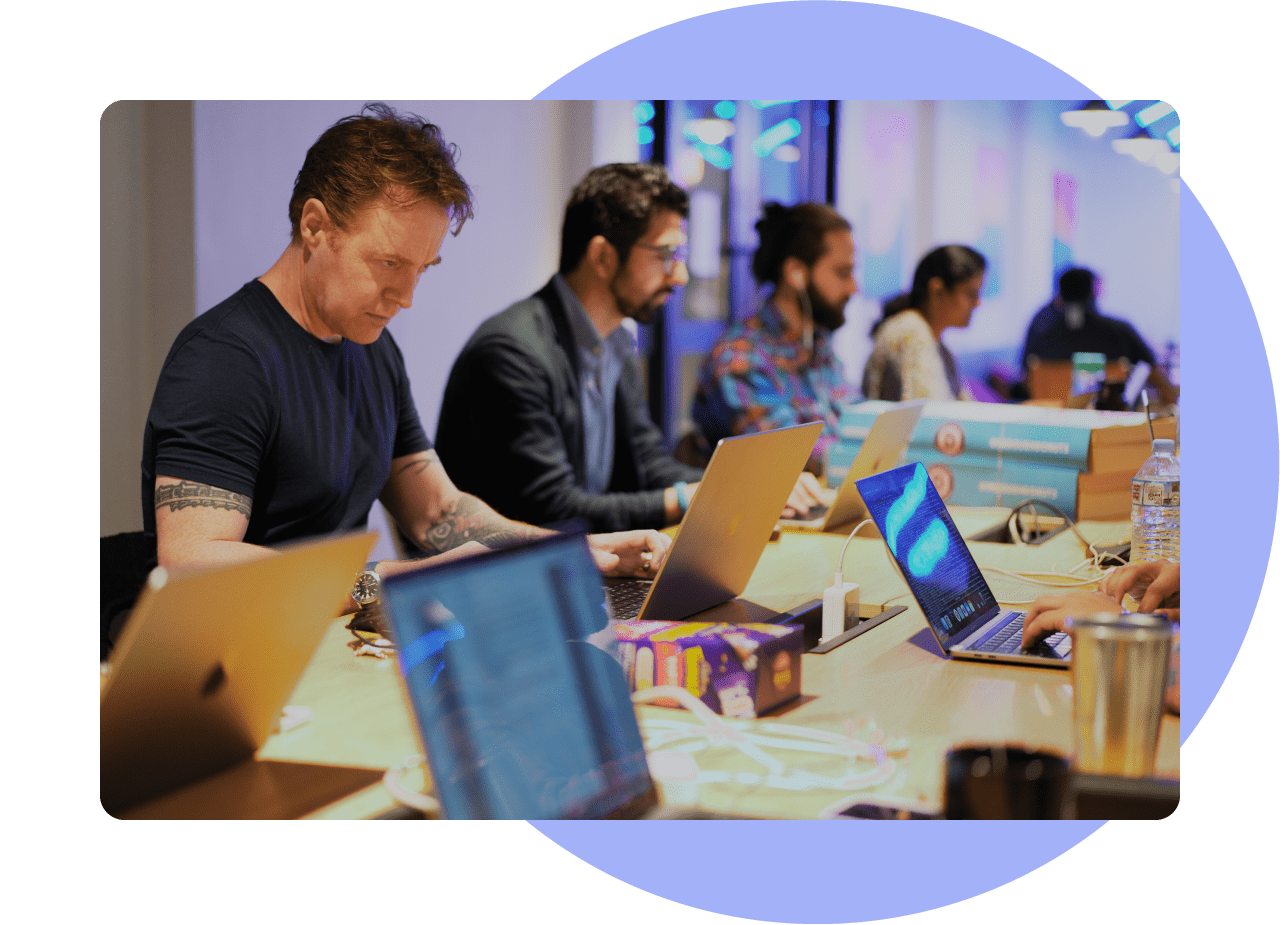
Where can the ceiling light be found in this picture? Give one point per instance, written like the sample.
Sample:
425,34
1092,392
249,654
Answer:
1167,162
1142,149
1094,121
1153,113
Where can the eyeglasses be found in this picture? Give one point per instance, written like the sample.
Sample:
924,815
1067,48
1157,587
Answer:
669,253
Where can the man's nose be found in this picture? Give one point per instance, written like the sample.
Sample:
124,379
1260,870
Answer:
680,273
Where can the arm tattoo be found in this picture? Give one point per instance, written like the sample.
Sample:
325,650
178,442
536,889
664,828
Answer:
196,494
469,518
419,464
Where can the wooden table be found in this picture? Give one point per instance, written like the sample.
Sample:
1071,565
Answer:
887,674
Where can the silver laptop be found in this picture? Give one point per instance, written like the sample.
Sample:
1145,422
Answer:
509,665
730,519
880,450
942,575
204,666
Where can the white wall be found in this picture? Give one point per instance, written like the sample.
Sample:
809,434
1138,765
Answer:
1126,221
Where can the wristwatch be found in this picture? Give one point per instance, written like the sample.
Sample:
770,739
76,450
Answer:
368,589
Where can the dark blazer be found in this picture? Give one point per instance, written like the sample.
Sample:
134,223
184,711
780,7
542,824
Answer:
511,429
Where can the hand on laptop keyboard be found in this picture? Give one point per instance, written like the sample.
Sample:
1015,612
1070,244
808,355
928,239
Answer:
806,496
1049,613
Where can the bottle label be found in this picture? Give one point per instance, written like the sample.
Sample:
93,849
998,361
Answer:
1156,493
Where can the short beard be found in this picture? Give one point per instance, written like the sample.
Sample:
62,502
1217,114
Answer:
646,311
825,315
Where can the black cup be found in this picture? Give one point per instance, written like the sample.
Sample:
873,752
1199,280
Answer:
994,782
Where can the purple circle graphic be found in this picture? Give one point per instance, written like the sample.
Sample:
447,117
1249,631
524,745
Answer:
862,51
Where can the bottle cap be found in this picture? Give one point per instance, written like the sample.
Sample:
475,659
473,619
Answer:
1162,445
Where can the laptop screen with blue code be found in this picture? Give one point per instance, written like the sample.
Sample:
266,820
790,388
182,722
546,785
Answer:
934,559
523,710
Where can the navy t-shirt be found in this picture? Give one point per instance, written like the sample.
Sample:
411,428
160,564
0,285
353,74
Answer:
250,402
1049,338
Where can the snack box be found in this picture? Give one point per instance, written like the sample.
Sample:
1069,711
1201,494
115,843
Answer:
738,670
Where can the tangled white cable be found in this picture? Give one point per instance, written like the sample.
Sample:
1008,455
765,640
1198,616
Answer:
401,794
750,738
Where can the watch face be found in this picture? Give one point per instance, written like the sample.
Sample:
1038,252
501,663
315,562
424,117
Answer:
366,590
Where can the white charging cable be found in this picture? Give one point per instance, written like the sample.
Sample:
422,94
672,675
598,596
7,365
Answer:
840,601
402,794
664,733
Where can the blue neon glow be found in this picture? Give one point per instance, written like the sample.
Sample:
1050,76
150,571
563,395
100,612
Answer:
1175,136
928,550
643,112
1118,104
725,109
821,117
644,134
769,139
1152,114
765,104
904,507
715,155
429,644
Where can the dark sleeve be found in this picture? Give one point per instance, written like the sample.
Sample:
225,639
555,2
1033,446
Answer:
410,436
212,416
655,466
1136,349
501,439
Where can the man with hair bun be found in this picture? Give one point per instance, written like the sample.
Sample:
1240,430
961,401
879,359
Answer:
777,367
284,411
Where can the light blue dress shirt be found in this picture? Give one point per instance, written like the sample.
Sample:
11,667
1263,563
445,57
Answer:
600,362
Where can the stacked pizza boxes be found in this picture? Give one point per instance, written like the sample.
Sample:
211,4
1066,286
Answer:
993,455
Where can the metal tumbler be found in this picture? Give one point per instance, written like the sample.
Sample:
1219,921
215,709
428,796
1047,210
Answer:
1119,663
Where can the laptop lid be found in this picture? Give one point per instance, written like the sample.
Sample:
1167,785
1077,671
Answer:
730,519
207,661
523,711
881,449
932,556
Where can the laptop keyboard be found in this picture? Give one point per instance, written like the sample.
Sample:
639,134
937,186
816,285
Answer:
626,598
1009,641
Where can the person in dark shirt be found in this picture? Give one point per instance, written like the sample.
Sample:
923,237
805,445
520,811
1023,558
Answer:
284,411
1071,323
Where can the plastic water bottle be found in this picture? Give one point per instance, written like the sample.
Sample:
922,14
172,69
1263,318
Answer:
1156,495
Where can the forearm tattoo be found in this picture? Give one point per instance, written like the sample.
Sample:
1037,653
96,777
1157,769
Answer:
196,494
468,519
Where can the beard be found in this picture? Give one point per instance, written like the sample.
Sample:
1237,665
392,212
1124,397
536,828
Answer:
826,314
642,312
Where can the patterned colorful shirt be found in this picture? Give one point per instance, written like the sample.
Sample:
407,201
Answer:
758,378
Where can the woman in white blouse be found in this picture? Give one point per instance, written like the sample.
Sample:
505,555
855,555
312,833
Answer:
909,359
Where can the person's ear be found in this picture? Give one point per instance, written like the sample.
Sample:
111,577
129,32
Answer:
936,287
314,225
602,257
795,273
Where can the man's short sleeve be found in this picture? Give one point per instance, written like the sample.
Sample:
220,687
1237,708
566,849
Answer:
211,419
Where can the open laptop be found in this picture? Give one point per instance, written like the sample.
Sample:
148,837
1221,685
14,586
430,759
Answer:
201,672
880,450
523,710
942,575
730,519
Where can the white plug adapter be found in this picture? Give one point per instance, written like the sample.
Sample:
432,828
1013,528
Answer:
839,607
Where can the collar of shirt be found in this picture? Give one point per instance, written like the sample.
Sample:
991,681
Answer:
775,327
591,346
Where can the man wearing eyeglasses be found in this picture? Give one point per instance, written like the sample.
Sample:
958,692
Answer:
544,415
